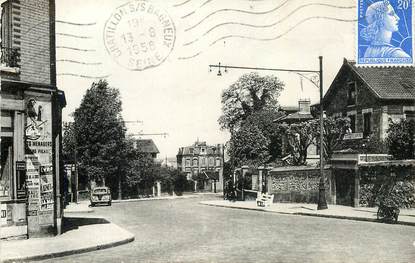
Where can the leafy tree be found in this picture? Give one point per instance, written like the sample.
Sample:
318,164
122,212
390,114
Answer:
248,146
250,93
264,120
141,171
100,134
299,137
334,131
400,139
68,142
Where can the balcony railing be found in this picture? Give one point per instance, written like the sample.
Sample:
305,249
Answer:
10,57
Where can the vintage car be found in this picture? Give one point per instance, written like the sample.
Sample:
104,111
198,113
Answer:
100,195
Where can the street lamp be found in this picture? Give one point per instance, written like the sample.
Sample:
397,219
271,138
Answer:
322,203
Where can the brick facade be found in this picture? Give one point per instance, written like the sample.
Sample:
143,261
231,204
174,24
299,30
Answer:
32,33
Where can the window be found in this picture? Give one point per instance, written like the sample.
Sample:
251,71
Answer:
6,168
191,150
353,123
367,125
410,115
203,161
211,161
187,162
351,94
203,150
218,161
195,162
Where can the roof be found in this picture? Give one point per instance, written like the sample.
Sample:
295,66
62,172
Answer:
289,109
384,82
296,116
147,146
195,149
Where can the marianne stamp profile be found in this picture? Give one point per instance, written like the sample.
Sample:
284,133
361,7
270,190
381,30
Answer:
385,32
139,35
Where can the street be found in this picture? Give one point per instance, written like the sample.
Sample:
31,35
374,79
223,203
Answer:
185,231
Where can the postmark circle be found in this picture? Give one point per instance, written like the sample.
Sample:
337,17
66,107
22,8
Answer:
139,35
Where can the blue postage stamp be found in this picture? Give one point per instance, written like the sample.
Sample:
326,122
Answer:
385,32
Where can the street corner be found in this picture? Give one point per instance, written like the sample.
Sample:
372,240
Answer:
81,207
81,235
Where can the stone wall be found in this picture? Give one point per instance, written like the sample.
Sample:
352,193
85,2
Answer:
299,184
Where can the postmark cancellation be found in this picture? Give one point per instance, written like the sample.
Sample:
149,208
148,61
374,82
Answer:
139,35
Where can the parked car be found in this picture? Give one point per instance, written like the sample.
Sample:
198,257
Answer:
100,195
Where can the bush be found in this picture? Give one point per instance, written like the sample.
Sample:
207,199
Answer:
180,182
401,140
398,194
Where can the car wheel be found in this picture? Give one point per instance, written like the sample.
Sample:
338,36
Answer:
109,203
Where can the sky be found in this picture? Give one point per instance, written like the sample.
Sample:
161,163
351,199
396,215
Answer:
179,95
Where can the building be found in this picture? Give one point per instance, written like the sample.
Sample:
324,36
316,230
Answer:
147,146
203,164
370,97
31,106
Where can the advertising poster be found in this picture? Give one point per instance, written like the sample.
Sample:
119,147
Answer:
39,171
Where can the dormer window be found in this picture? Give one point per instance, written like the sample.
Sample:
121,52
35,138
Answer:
351,93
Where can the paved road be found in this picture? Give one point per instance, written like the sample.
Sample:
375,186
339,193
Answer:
184,231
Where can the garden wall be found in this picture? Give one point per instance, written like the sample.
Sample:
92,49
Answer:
300,184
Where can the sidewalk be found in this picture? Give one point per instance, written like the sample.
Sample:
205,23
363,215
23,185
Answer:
83,234
406,216
166,197
81,207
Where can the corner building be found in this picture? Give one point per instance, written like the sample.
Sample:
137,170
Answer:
31,109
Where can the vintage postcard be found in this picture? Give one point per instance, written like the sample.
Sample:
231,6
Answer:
207,131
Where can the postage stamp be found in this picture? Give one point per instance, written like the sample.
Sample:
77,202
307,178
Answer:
385,32
139,35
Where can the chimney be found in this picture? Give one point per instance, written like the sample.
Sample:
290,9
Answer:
304,106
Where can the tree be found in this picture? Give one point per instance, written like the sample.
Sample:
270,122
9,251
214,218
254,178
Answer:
334,131
68,142
299,137
100,134
250,93
400,139
141,171
264,120
248,146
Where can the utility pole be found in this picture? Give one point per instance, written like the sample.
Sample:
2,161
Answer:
322,203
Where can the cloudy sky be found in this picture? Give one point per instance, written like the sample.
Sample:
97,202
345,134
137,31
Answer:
180,96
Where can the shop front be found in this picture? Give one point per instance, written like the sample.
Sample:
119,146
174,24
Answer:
30,184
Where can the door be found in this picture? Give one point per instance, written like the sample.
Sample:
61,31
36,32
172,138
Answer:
344,186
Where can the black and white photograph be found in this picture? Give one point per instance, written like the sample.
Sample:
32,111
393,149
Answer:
207,131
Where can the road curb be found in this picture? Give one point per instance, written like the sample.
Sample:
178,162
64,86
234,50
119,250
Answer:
373,220
126,240
153,199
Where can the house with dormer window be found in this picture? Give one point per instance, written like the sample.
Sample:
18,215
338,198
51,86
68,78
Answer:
371,97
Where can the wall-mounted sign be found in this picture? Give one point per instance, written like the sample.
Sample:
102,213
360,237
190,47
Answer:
3,214
20,166
353,136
